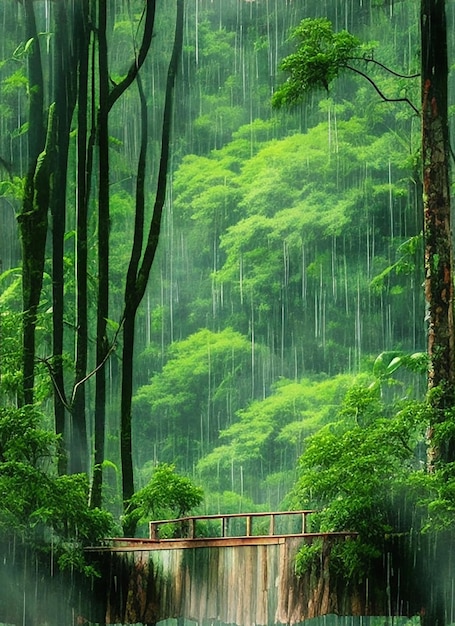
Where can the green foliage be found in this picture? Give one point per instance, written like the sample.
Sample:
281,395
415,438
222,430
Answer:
409,254
308,556
389,362
203,185
320,57
49,512
16,81
271,430
12,188
21,439
167,495
292,193
357,471
173,402
351,560
434,490
228,502
10,338
276,229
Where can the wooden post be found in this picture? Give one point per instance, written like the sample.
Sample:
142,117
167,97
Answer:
303,523
272,525
248,525
153,531
192,528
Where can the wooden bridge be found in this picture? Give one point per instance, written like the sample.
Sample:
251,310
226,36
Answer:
236,569
209,531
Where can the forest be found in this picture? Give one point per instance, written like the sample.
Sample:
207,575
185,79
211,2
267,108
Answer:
226,270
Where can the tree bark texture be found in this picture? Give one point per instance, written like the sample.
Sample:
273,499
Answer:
33,218
436,190
437,223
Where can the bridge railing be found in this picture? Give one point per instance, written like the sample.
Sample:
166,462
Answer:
282,523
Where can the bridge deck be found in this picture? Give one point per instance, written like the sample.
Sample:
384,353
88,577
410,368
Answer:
209,531
119,544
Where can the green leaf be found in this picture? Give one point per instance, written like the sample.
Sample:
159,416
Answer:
321,55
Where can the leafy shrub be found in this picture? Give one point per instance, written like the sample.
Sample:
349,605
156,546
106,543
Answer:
308,556
167,495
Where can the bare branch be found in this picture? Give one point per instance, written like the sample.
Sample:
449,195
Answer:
383,96
384,67
60,392
111,349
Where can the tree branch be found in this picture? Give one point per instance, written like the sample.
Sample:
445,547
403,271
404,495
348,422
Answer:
100,365
155,225
384,97
136,65
60,392
384,67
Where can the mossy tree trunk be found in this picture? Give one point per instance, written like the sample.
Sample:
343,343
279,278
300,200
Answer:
33,218
437,224
438,254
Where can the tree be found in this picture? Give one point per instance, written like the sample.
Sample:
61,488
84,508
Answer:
359,472
85,148
193,397
320,58
437,226
78,101
266,436
107,98
33,218
139,271
167,495
322,55
36,502
438,278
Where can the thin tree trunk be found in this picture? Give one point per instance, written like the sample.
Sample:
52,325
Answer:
130,310
138,276
107,100
66,36
103,243
84,171
33,217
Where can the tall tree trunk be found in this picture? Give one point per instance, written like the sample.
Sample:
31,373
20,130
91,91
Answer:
129,315
103,242
437,227
34,214
138,275
84,172
65,55
107,100
77,428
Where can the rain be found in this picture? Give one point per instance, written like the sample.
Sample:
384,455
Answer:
203,271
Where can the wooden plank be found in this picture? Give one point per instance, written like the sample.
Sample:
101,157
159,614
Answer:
138,544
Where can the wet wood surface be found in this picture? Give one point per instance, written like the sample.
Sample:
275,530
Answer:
240,583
